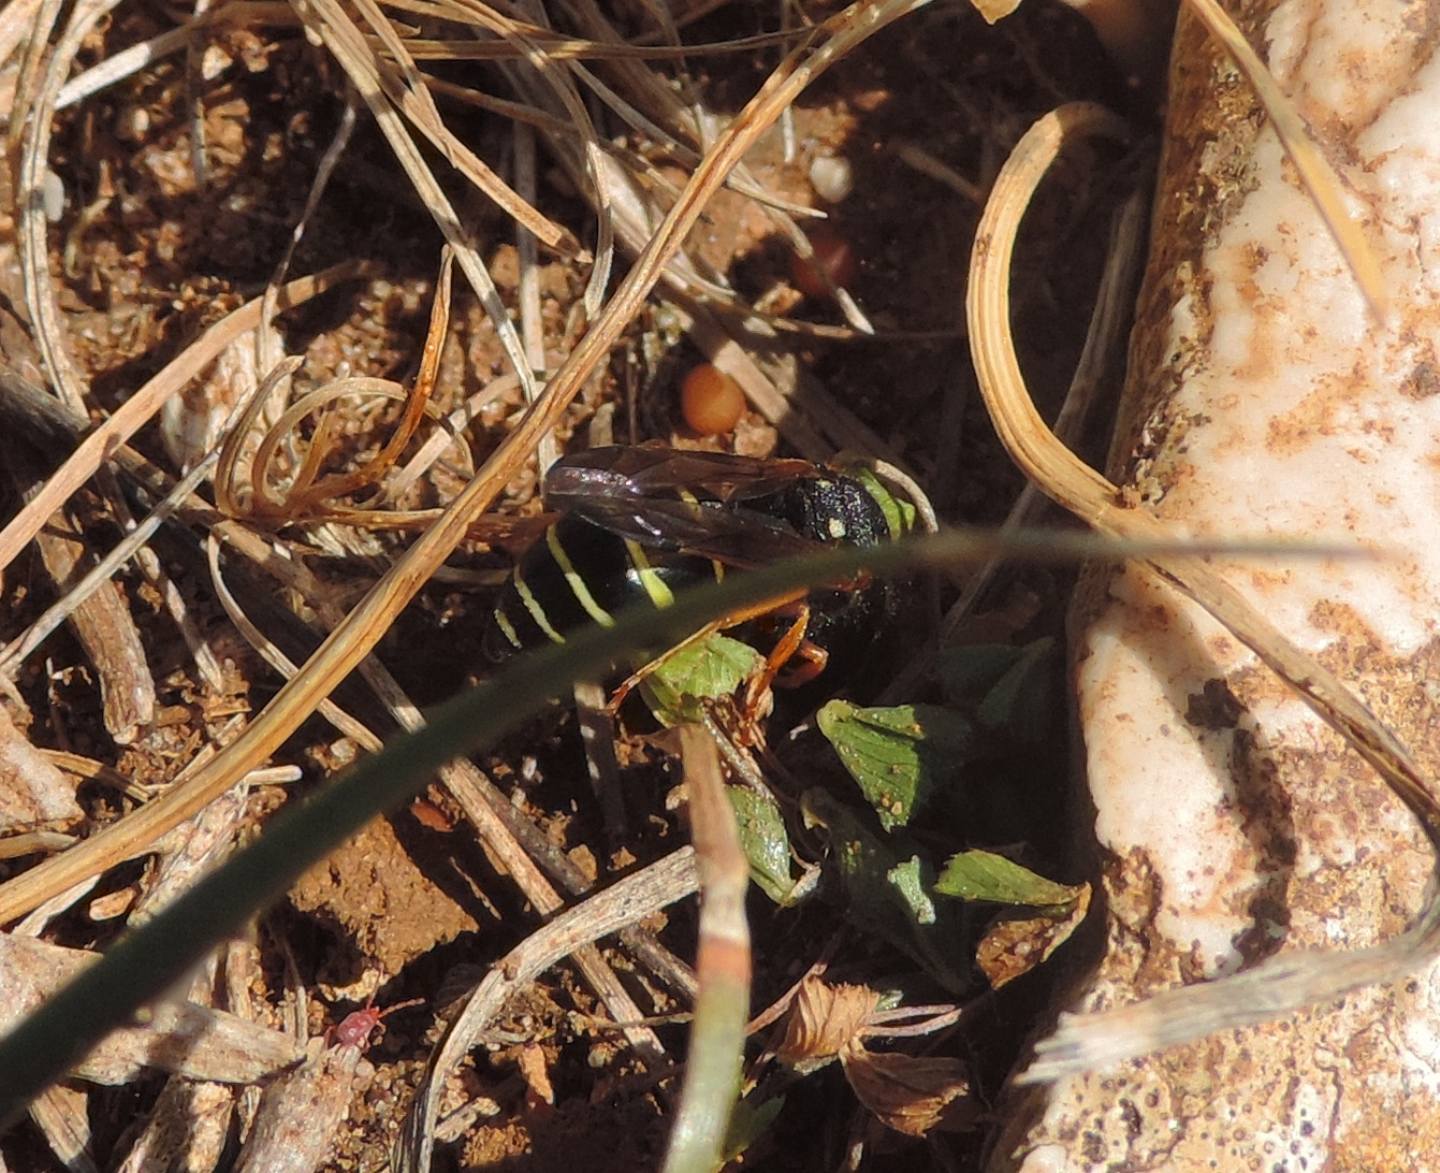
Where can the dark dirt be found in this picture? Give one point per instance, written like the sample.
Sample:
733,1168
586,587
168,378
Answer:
147,257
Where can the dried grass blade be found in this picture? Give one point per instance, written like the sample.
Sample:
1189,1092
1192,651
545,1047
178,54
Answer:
578,48
340,35
373,77
20,24
39,286
717,1036
103,571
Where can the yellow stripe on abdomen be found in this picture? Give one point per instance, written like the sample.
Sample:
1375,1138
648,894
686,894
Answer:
578,586
655,587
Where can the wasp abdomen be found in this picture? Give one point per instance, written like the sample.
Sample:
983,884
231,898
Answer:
581,574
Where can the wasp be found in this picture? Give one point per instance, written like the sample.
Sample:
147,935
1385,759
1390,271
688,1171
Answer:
638,523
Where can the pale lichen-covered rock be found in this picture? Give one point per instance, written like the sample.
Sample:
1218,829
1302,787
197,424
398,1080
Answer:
1262,399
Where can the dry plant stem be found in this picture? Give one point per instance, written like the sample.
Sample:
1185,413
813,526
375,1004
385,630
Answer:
343,722
562,84
717,1038
190,1116
681,153
187,1129
27,24
624,903
927,164
353,638
62,1114
96,447
177,1036
101,622
1292,981
35,843
83,767
34,253
300,1114
28,640
364,69
532,324
105,630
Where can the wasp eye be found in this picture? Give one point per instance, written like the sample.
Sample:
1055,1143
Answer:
710,400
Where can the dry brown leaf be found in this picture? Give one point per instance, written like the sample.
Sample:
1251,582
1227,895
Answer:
909,1093
823,1019
1015,945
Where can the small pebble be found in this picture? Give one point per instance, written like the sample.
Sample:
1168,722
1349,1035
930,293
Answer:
710,400
832,177
833,255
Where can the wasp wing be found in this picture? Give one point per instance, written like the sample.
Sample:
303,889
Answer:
682,501
653,471
740,538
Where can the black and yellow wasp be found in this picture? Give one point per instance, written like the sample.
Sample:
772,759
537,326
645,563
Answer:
639,523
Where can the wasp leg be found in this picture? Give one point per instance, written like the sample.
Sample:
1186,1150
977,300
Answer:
793,661
626,686
805,665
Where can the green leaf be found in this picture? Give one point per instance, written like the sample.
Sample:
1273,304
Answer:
765,842
907,878
709,668
898,756
1021,702
887,889
983,875
748,1122
899,513
968,671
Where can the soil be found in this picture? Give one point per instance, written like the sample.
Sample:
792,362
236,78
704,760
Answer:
147,255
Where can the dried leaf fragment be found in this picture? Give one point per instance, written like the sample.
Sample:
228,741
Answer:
911,1094
1015,945
823,1019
